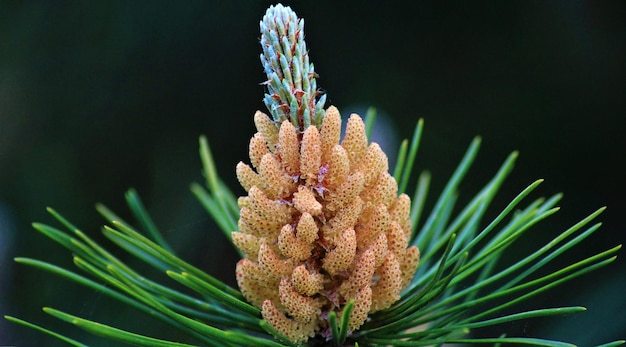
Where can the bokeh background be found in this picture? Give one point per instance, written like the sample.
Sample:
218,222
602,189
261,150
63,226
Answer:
100,96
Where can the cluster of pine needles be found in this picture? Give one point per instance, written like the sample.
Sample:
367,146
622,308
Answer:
461,283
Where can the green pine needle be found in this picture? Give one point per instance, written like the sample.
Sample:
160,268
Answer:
111,332
219,201
403,181
370,118
45,331
140,213
334,326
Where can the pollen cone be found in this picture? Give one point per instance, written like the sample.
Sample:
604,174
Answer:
322,224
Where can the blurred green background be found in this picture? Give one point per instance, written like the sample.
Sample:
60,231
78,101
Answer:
100,96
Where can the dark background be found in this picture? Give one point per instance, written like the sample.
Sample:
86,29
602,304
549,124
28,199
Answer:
97,97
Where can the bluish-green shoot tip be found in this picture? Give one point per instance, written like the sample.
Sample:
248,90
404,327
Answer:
291,87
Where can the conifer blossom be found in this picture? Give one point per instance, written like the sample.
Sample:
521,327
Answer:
322,225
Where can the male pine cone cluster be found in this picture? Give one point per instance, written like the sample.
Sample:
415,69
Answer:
322,225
